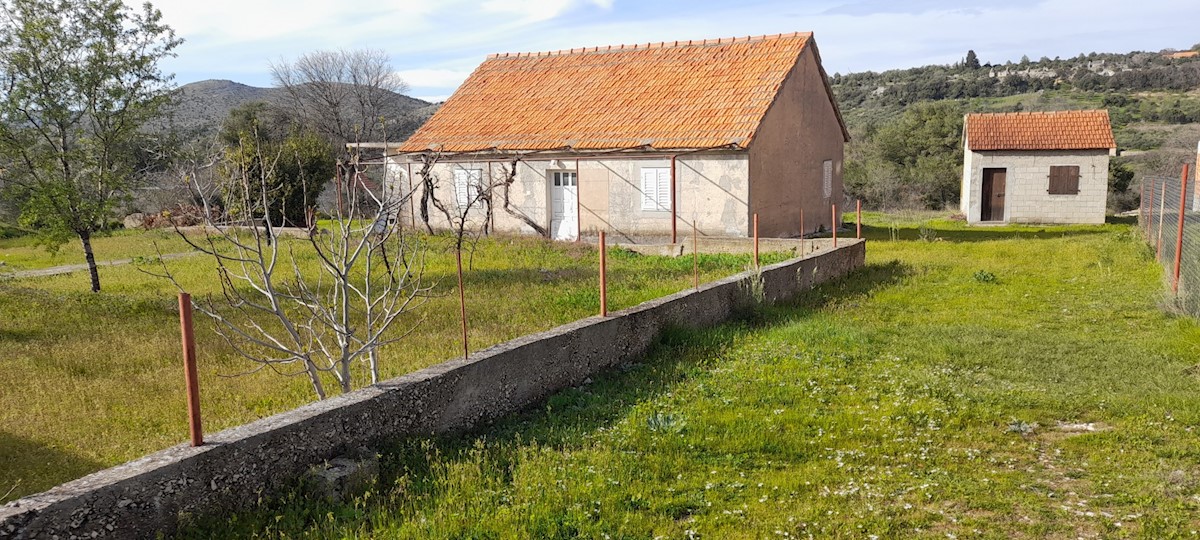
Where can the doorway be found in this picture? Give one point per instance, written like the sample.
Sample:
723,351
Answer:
992,207
564,196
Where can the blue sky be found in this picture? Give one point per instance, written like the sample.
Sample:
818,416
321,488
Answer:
434,44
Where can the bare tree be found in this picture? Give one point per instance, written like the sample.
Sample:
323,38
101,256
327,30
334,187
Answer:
274,313
342,94
493,189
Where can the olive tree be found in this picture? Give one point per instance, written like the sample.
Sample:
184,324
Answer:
78,78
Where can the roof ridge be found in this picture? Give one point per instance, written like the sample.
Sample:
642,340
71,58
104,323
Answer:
1032,113
658,45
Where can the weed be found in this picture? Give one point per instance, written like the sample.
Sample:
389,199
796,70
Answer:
660,422
927,233
983,276
1021,427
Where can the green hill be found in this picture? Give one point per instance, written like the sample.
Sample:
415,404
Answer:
906,124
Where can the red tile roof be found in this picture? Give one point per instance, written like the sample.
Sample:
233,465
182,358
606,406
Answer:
685,94
1058,130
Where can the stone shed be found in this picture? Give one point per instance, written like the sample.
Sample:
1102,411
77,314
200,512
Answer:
1036,167
636,140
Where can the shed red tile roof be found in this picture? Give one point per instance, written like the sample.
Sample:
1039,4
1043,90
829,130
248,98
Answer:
693,94
1058,130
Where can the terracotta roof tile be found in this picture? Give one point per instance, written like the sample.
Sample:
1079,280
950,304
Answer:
1058,130
686,94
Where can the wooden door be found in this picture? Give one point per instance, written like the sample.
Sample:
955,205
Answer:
992,207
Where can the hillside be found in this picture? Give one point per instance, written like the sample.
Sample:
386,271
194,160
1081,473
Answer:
201,106
906,123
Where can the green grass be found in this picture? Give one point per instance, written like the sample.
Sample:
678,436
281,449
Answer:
922,397
93,380
23,253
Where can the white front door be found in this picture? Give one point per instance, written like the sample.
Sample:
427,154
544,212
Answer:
564,202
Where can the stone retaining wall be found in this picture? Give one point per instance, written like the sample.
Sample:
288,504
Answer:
237,466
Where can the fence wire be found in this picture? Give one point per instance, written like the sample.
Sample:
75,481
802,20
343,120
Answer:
1171,224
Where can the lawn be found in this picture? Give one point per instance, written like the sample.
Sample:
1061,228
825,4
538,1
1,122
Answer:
24,252
1001,382
93,380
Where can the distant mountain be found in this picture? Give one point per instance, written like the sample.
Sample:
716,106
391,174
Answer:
200,107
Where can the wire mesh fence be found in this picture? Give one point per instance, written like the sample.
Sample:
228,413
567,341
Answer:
1170,220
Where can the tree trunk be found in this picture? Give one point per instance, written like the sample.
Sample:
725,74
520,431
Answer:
86,238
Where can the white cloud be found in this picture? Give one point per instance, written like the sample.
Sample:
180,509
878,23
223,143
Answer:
538,10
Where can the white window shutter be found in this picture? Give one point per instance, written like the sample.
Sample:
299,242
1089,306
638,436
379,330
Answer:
827,178
664,189
649,189
460,187
474,185
467,183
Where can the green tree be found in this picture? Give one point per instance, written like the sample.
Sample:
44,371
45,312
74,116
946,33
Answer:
925,146
293,164
972,61
1120,176
80,77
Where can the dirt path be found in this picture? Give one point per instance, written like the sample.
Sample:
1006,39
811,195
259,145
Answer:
68,268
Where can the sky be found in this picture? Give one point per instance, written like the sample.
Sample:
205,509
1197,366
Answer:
435,44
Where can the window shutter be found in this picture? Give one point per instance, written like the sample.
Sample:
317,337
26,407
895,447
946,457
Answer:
474,184
649,189
467,183
664,189
460,187
827,178
1064,180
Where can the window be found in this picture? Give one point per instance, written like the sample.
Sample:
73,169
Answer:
1064,180
466,186
656,189
564,178
827,178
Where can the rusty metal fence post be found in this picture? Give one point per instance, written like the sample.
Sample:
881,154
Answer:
603,278
190,376
462,303
756,240
1183,182
858,218
695,254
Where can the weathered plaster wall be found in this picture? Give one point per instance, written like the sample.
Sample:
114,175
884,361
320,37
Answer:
149,496
712,187
1028,181
528,195
798,133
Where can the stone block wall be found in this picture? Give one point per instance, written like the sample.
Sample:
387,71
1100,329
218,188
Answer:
1027,183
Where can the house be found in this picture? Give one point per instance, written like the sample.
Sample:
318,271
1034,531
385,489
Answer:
636,140
1182,54
1036,167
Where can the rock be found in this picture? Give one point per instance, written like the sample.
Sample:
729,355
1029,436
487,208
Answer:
134,221
340,477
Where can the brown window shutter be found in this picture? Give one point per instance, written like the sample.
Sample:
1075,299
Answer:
1064,180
